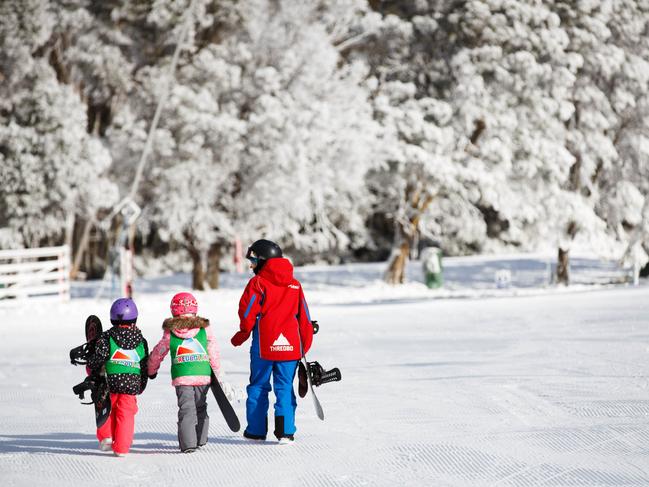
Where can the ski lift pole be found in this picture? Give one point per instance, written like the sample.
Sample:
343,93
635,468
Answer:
130,214
156,116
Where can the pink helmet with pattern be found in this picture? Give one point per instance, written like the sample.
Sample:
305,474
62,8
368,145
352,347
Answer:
183,304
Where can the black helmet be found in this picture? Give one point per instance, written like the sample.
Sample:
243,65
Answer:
264,250
261,251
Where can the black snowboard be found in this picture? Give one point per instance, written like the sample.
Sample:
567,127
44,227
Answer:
100,394
224,405
96,381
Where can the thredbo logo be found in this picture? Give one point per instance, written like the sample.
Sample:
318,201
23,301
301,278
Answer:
190,350
127,358
281,345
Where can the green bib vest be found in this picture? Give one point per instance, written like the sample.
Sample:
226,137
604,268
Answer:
189,355
124,361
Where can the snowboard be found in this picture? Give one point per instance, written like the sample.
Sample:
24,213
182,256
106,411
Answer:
312,373
304,377
304,384
96,381
224,405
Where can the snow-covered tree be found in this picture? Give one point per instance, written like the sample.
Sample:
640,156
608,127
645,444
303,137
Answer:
52,171
181,190
310,135
263,133
417,170
516,86
611,84
513,79
612,38
329,126
196,162
416,138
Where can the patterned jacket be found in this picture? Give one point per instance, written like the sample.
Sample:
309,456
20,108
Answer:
128,337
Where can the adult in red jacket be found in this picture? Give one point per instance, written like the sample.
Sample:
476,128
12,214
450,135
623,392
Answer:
274,310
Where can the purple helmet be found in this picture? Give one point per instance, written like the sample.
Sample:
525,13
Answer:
122,310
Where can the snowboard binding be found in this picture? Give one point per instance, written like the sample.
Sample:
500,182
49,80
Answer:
321,376
91,383
317,374
79,355
96,381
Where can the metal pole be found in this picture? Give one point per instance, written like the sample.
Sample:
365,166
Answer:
158,110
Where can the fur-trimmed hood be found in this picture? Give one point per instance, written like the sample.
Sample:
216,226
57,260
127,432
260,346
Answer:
184,323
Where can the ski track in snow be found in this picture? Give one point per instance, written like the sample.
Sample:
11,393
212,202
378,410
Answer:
546,390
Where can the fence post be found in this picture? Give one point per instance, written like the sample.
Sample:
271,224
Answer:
64,273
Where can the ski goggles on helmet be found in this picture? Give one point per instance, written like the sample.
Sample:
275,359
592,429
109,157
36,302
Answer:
252,256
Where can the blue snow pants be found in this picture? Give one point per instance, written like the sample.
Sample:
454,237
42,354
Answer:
283,373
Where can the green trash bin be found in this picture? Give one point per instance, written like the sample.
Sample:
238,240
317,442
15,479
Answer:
431,258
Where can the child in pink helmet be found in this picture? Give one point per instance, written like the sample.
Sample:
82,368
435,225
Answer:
194,354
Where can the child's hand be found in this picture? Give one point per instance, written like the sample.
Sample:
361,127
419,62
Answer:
229,391
234,394
239,337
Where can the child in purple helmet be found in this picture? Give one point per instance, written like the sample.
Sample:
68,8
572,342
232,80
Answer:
124,352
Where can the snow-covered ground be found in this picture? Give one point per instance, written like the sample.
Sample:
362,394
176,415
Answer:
526,386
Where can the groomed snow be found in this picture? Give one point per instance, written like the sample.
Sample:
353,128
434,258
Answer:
527,386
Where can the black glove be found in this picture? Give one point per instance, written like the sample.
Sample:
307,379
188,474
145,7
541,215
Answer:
153,376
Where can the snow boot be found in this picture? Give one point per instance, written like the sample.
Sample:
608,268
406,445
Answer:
253,437
106,444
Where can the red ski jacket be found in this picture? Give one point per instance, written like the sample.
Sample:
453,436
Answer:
274,301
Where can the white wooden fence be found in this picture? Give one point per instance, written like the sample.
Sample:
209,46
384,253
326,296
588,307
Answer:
41,272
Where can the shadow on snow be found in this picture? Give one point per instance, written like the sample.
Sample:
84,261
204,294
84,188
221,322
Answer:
87,444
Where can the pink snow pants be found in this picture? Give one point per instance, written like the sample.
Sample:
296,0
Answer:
120,426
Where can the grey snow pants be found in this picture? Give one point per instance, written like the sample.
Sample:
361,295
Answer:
193,421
